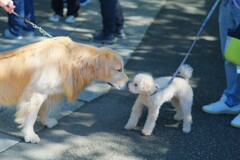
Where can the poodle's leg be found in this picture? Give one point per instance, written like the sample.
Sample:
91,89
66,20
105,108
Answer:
135,114
179,115
151,120
186,106
26,115
44,113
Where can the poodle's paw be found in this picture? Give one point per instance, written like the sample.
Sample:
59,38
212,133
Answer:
146,132
177,117
32,138
51,122
129,126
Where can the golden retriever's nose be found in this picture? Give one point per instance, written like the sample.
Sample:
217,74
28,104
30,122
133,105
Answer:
126,86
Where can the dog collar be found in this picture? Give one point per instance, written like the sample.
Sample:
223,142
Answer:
156,90
159,89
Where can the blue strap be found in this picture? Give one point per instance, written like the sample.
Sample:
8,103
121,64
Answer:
189,51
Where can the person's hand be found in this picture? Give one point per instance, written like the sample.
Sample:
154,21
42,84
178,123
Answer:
7,5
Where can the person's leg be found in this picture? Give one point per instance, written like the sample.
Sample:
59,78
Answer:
233,79
229,103
29,14
119,21
108,12
72,10
14,22
233,90
231,20
72,7
225,23
57,7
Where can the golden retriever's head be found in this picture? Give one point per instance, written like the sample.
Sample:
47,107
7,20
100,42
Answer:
109,67
142,84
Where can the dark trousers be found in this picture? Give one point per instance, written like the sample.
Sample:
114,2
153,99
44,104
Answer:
72,7
25,9
112,16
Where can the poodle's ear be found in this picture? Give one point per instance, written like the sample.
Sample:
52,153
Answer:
146,85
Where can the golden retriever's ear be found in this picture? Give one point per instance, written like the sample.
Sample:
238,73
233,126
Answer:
101,64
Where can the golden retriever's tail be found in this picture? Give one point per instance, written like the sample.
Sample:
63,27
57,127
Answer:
185,71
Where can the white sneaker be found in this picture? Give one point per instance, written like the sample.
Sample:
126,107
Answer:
70,19
236,121
54,18
220,107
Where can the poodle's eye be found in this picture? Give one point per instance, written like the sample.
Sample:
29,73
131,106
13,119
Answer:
119,70
135,85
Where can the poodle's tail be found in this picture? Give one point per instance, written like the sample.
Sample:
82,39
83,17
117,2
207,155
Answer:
185,71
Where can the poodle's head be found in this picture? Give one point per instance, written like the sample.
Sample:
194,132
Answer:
142,84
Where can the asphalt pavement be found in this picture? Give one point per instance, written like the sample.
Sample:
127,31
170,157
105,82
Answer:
159,34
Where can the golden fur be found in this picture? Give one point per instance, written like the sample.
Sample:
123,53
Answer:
36,76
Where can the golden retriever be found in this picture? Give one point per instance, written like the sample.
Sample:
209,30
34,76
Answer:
37,76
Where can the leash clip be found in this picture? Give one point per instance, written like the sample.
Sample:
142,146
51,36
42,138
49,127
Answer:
160,89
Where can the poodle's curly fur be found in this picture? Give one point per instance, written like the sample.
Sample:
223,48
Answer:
179,93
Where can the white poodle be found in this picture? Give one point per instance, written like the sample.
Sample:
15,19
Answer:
179,92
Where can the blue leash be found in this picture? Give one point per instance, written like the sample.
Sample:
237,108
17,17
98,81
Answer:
189,51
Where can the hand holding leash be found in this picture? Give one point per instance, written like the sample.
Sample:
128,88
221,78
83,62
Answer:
7,5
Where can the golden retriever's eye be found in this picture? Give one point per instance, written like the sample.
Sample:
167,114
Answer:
135,85
119,70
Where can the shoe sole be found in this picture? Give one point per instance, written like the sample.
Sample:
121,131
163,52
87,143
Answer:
69,22
54,21
222,112
7,34
106,42
120,36
235,125
13,38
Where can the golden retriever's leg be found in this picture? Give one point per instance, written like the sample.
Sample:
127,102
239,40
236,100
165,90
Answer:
44,112
27,114
135,115
151,120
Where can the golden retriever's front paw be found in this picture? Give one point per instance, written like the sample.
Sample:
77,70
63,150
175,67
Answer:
51,122
146,132
32,138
